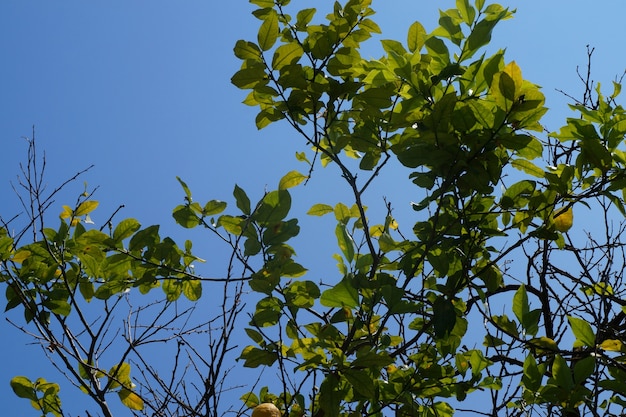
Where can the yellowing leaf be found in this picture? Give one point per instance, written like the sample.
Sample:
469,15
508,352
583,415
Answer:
120,375
130,399
544,344
515,74
86,207
319,210
291,179
66,213
20,256
377,230
612,345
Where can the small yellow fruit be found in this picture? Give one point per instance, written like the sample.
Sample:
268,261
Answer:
266,410
563,219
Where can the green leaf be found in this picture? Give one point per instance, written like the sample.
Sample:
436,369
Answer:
268,32
531,378
480,36
373,360
528,167
342,213
61,307
467,12
280,232
23,388
255,357
233,225
192,289
144,238
273,208
242,200
520,303
302,294
561,373
292,269
584,368
185,217
361,382
583,332
330,396
247,50
320,210
291,179
478,362
416,37
444,317
108,289
119,376
346,244
263,3
303,18
286,54
249,77
341,295
185,188
255,335
125,229
213,207
86,290
172,288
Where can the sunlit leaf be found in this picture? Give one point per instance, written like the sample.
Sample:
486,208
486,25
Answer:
130,399
85,207
192,289
291,179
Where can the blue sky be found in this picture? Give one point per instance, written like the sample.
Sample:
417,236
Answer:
141,89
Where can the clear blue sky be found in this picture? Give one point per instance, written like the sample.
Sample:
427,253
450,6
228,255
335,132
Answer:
141,89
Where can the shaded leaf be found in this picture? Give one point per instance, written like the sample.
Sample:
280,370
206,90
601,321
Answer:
23,388
341,295
242,200
346,244
125,229
268,32
320,210
192,289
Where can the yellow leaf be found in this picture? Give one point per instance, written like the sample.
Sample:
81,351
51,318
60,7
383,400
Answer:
564,219
130,399
20,256
86,207
612,345
376,231
66,213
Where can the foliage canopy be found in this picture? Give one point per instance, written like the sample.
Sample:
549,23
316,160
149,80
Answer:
487,290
